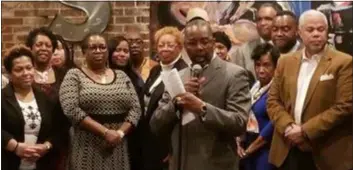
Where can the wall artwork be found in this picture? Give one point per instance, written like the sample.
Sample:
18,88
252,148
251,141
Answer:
98,15
237,18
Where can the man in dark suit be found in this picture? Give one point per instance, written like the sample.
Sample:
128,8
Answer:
264,17
219,100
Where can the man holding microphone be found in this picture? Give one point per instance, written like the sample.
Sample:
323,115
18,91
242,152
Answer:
220,100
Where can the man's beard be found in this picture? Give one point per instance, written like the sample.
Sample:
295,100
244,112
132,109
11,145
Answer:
288,47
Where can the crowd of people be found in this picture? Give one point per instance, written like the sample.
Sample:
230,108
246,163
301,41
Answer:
283,101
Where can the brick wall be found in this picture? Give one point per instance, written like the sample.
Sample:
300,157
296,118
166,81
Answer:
18,18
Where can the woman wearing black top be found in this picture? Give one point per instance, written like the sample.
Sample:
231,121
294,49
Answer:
119,58
28,118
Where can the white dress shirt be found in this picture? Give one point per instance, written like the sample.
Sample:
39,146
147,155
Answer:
307,69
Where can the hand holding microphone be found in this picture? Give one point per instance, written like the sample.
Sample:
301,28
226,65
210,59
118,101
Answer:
194,84
190,100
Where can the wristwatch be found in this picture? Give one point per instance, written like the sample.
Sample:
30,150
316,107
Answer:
203,111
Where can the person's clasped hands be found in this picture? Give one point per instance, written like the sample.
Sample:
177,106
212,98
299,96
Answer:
32,152
295,136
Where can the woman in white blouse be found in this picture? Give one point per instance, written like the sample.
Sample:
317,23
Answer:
155,150
27,117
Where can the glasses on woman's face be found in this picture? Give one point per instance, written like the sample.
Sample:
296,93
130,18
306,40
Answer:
100,47
168,45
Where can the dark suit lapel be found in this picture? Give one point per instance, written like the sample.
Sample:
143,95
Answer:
159,89
180,64
155,96
320,70
211,71
152,78
41,103
11,99
296,62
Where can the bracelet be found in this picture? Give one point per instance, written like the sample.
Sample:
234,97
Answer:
121,133
105,132
14,150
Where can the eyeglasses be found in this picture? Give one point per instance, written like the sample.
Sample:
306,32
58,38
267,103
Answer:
138,41
171,46
96,47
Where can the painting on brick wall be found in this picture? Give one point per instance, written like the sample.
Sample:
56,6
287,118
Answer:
237,18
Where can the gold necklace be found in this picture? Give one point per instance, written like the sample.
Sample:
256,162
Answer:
101,76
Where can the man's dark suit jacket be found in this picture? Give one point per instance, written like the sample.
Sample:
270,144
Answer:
12,126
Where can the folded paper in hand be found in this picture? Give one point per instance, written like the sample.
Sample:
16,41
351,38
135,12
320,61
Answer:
174,86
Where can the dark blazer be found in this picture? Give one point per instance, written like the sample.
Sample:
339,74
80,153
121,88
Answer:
155,149
12,126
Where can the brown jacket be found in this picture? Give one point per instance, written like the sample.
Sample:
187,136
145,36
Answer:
327,112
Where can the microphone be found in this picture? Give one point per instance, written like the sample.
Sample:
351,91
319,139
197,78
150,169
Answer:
196,71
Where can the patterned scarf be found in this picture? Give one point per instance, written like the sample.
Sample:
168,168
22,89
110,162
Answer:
256,93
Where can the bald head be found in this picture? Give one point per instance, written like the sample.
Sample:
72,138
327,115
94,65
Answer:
309,14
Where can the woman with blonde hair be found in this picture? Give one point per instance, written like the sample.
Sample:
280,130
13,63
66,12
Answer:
169,43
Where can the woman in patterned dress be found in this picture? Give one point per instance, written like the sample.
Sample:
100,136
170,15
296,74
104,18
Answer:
28,118
103,106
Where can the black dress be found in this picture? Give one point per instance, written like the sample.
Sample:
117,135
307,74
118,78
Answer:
52,91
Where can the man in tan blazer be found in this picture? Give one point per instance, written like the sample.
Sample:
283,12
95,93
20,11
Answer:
310,103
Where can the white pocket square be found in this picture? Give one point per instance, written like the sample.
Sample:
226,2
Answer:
326,77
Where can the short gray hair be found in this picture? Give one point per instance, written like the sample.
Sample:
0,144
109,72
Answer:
311,12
